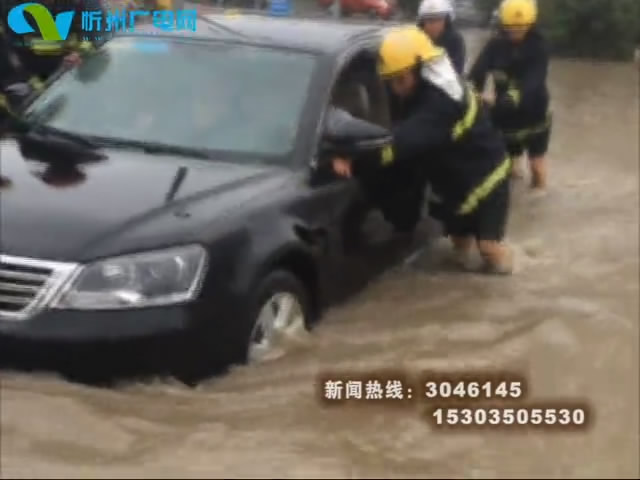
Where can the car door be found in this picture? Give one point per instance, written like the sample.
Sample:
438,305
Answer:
359,91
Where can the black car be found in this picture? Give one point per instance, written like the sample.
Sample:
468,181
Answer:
174,188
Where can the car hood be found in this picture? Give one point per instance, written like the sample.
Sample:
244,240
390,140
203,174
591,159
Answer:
117,205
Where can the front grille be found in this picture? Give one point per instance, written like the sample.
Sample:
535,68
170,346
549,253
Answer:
27,284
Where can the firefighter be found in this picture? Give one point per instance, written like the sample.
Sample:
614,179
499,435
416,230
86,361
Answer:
12,82
155,4
15,84
435,17
518,59
43,58
164,4
448,133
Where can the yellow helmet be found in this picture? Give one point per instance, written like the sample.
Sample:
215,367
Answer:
403,47
164,4
518,13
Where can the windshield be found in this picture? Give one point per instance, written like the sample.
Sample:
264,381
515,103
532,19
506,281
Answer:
227,98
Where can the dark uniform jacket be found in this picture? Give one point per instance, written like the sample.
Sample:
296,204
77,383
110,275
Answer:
453,42
43,58
520,76
453,141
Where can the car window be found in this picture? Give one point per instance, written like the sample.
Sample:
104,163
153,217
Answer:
359,90
232,98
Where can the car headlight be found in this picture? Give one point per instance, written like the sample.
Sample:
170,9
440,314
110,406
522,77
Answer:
147,279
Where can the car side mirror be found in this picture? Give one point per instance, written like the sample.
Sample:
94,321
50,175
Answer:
348,136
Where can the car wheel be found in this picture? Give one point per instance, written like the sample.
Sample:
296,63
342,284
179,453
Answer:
282,313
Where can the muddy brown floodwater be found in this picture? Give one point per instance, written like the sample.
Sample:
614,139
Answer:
569,318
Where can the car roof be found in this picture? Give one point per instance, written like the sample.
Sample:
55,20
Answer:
319,35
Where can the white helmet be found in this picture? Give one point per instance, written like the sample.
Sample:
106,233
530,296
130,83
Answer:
435,8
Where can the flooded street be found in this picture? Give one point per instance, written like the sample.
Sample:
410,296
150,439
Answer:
568,319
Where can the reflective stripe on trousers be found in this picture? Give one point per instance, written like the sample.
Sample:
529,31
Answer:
522,134
486,187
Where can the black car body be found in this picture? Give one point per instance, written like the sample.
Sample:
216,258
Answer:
228,217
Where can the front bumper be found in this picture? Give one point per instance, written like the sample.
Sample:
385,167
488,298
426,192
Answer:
98,326
97,346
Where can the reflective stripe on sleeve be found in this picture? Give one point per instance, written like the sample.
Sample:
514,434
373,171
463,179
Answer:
387,156
514,94
36,83
462,126
84,47
44,47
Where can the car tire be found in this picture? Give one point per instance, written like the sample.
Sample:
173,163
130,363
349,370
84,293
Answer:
281,310
200,358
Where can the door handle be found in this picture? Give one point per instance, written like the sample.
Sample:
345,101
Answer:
315,237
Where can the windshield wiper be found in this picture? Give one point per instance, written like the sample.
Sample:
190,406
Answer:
26,127
152,148
72,137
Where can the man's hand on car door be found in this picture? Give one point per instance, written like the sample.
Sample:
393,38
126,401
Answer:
342,167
